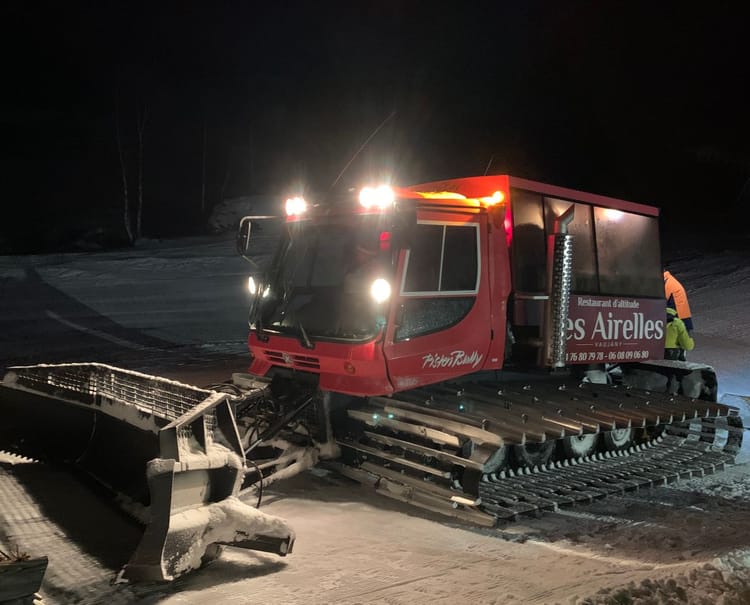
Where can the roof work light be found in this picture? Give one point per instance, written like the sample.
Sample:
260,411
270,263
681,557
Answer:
376,197
296,206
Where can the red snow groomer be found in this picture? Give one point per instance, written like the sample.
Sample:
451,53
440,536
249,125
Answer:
456,334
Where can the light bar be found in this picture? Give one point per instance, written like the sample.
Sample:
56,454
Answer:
376,197
441,195
495,198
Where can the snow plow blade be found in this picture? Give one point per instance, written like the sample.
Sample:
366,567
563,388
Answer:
171,449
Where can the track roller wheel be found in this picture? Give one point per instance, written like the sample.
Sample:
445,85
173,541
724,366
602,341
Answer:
534,454
498,460
619,439
579,446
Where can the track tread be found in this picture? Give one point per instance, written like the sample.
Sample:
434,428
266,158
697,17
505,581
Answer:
703,438
663,462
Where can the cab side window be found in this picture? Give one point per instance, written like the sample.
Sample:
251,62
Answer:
441,278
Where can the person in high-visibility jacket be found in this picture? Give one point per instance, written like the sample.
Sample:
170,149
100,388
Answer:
677,339
677,299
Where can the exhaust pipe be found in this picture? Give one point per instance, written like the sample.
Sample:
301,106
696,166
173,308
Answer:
560,271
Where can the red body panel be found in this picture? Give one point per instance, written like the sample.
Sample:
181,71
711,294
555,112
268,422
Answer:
354,369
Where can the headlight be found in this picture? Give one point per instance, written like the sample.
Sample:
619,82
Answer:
380,290
252,287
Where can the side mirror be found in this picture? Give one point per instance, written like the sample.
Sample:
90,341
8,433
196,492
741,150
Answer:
243,236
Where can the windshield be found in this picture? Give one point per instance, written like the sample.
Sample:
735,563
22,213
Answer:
319,283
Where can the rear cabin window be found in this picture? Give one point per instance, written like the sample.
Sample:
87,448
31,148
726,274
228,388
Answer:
441,278
614,252
529,243
628,253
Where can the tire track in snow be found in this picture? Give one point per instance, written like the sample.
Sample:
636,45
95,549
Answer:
121,342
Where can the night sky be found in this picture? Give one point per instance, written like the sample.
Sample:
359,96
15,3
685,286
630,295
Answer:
643,101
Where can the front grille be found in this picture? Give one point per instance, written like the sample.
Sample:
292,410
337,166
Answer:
302,362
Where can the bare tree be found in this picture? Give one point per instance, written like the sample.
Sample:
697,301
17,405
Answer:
121,154
140,125
225,182
251,151
203,173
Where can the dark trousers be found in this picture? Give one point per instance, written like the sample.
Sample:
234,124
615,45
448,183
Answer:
674,354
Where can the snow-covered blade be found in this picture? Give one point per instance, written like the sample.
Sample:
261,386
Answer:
180,439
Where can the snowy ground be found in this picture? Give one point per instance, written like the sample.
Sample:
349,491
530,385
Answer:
178,308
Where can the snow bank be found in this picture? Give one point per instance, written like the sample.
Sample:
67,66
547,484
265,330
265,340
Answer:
707,585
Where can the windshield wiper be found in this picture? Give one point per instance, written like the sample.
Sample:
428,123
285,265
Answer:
262,336
286,297
259,332
304,338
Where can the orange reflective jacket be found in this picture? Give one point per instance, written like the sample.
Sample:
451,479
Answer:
677,299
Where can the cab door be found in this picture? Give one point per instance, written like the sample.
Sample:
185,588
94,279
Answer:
439,327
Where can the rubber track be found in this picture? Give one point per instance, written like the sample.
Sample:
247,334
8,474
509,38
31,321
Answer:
660,462
692,448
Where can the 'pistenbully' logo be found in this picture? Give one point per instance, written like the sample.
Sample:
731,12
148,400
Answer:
453,360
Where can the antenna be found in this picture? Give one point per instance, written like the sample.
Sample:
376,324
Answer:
486,170
383,123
